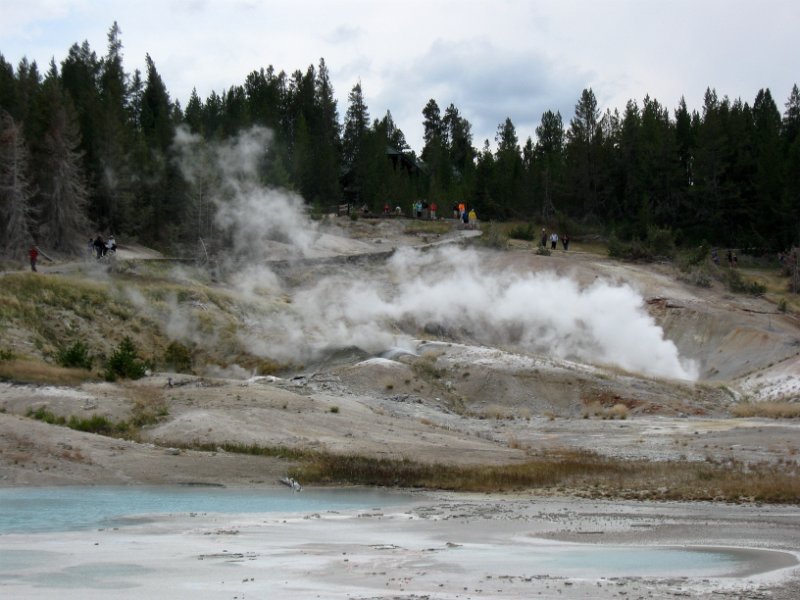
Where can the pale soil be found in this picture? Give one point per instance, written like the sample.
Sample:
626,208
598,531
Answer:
507,406
442,546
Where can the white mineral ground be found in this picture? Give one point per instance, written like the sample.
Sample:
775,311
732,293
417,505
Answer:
442,546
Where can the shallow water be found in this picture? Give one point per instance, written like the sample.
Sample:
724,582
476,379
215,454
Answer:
582,560
30,510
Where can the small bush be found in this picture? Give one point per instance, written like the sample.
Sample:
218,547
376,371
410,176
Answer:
661,241
696,256
543,251
75,356
494,238
178,357
426,368
522,232
96,424
334,409
6,354
618,411
46,416
737,284
659,244
125,362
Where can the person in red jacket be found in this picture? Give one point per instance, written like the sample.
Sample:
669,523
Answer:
34,254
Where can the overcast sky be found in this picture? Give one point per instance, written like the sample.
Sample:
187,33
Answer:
492,59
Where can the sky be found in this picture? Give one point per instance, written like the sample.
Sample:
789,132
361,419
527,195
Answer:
493,59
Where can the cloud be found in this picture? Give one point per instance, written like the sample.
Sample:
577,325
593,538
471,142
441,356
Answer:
344,34
487,83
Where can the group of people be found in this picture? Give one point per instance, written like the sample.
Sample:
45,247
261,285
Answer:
468,218
733,261
422,209
553,238
98,247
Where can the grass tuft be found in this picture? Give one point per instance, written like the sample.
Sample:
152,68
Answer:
767,409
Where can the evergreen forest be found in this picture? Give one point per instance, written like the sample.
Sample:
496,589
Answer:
86,147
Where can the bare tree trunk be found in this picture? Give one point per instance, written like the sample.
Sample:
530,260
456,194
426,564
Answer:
15,191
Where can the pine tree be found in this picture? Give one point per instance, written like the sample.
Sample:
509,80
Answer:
458,132
769,211
356,125
161,197
63,190
16,193
8,87
790,132
114,182
582,154
549,162
508,172
327,142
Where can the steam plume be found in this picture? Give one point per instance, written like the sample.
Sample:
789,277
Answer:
384,306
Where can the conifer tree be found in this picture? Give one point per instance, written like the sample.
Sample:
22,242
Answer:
548,163
16,193
62,186
356,125
582,154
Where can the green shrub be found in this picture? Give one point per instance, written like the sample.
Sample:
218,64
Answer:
695,256
522,232
93,424
75,356
494,238
178,357
96,424
44,415
125,362
737,284
6,354
660,244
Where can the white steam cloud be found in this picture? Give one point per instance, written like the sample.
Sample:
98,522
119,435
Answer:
377,307
256,217
530,312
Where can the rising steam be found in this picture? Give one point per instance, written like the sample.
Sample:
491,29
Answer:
379,307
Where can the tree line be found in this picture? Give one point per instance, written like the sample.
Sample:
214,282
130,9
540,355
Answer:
87,146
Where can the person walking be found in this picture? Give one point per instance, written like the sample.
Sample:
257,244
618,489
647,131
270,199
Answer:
99,245
553,240
33,253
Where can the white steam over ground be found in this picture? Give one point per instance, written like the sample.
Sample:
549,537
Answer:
377,307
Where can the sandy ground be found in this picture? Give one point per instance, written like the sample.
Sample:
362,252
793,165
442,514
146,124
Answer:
485,405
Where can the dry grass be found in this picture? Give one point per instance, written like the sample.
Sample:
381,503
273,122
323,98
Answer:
597,409
33,371
425,367
575,472
515,444
149,404
767,409
498,412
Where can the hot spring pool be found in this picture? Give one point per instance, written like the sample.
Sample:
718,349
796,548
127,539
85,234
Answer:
46,509
610,560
